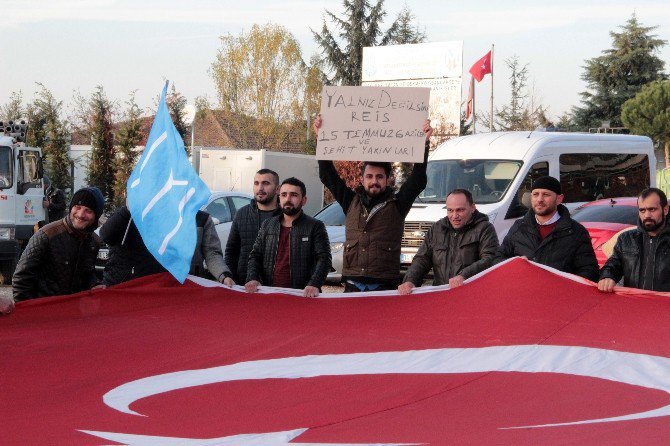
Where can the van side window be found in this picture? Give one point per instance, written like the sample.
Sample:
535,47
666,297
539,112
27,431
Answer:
521,199
592,176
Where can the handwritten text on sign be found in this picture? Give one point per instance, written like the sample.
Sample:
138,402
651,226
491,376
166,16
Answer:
373,124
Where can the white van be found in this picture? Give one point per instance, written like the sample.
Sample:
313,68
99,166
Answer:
498,168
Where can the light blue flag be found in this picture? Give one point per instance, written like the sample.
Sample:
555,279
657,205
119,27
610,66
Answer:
164,194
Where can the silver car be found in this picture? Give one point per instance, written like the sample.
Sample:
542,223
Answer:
333,217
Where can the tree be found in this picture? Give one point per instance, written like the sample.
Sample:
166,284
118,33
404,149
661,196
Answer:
404,30
128,137
14,108
360,27
96,115
176,105
49,131
260,81
648,113
619,74
522,112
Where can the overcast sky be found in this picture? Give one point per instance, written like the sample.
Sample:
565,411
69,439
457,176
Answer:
128,45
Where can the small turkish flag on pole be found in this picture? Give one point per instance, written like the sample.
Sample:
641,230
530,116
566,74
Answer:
481,67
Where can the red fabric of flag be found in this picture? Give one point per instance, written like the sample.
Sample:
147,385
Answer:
482,67
151,362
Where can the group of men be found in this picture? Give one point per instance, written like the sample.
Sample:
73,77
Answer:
274,243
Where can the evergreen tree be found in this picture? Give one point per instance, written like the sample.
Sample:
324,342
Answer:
14,108
50,132
648,113
128,137
359,27
96,116
404,30
619,74
176,105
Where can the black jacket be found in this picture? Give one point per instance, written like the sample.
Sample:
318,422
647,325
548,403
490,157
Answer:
309,255
57,260
132,259
626,260
567,248
243,232
57,205
451,252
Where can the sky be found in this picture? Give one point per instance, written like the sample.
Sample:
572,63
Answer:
125,46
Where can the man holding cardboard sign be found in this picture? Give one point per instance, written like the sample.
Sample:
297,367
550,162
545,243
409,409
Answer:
375,214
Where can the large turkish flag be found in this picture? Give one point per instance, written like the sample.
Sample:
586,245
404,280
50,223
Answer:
520,355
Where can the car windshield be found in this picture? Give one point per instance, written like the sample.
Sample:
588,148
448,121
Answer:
487,180
331,215
607,213
5,167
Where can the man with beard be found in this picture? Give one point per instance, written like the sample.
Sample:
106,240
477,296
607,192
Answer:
292,249
456,247
248,221
375,219
60,258
642,256
547,234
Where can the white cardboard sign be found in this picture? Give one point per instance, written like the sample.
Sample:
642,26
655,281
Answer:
373,124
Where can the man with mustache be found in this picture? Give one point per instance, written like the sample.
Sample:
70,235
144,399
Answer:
456,247
292,249
642,256
375,219
547,234
248,221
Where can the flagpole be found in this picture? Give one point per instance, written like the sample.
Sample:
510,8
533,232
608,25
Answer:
491,121
474,116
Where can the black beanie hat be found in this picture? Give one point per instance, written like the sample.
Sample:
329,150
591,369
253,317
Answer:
91,197
549,183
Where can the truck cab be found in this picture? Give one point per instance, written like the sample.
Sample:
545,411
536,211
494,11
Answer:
21,195
499,168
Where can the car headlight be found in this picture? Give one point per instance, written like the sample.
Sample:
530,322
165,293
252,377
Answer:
6,233
336,246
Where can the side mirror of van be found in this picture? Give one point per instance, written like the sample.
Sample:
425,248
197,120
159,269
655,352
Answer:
517,209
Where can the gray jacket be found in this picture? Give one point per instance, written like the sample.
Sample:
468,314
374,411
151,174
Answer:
210,250
450,252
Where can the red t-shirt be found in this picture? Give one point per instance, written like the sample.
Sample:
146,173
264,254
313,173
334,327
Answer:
281,276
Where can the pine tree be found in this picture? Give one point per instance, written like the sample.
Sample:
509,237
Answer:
619,74
648,113
96,115
47,130
404,31
359,27
128,137
14,108
176,105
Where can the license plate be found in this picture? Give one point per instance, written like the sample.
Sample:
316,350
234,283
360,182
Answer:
406,258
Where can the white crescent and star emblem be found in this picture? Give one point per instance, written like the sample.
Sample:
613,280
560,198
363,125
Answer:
628,368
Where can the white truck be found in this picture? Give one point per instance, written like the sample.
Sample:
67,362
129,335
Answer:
21,194
234,170
499,168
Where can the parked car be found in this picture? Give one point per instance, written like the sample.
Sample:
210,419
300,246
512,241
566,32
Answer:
222,206
604,218
333,217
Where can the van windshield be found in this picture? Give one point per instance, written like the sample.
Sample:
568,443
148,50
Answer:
487,180
5,167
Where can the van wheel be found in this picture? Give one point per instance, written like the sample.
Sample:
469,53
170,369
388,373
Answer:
7,270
